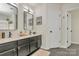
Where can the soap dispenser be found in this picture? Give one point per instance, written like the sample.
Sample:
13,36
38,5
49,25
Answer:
10,34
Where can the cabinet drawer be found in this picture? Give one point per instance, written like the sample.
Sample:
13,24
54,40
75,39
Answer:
38,37
8,46
23,41
33,39
11,52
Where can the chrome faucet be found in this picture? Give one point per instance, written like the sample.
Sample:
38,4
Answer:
30,32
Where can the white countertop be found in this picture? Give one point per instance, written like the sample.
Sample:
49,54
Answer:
5,40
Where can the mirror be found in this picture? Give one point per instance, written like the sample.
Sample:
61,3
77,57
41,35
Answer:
28,21
8,17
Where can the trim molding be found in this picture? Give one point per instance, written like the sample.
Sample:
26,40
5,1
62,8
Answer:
75,42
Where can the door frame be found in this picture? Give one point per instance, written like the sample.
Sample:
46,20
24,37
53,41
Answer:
68,10
69,29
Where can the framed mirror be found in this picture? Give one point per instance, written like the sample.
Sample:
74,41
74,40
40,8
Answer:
28,21
8,17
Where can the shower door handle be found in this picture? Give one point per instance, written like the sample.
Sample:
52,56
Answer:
71,31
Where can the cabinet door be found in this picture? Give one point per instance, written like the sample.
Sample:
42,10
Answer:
11,52
8,46
33,47
23,41
33,44
39,42
33,39
23,47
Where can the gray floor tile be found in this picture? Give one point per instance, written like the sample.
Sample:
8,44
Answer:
73,50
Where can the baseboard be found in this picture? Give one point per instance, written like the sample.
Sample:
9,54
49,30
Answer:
45,48
62,47
55,46
75,42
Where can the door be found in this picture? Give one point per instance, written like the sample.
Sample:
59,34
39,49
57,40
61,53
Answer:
53,26
68,29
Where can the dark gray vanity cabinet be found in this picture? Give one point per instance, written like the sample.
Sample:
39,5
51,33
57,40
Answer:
23,47
8,49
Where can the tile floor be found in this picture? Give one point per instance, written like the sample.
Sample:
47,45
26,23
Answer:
41,52
73,50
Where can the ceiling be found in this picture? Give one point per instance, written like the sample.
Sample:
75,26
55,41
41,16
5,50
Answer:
32,5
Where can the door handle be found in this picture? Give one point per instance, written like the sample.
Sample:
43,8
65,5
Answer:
51,31
71,31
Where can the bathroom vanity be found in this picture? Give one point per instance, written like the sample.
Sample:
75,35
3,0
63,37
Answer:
20,46
10,45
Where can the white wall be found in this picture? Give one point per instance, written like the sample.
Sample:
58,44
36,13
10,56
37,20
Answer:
75,26
42,29
20,17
